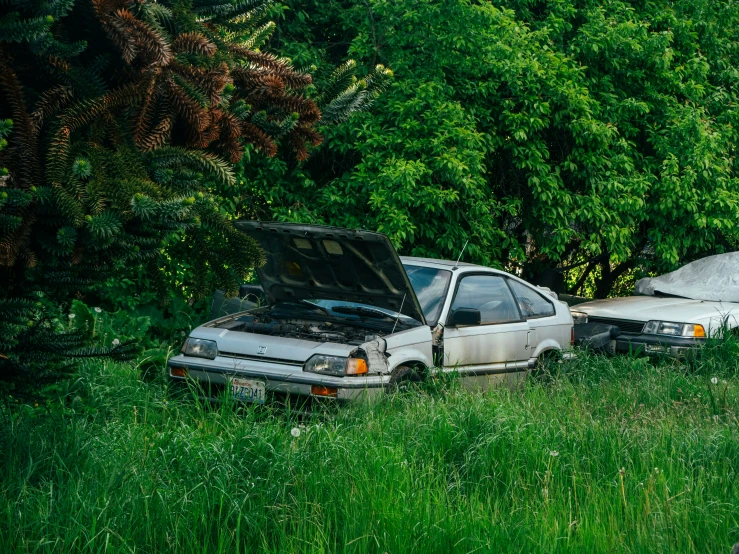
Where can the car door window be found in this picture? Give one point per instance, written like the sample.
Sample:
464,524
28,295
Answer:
531,303
490,295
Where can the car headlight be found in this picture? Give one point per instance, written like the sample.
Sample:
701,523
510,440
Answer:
336,365
200,348
579,317
673,329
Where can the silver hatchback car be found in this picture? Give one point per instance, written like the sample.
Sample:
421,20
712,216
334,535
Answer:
347,317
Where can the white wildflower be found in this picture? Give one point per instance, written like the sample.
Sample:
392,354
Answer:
71,316
98,310
116,342
295,432
714,380
553,453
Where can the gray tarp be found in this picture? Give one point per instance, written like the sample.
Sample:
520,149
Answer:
712,278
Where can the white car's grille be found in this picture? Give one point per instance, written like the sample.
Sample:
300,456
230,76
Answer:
625,325
281,361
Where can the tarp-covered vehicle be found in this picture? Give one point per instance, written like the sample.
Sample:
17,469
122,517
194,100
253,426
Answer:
346,317
675,313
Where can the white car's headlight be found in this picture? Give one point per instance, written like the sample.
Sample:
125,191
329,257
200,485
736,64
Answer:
336,365
579,317
673,329
200,348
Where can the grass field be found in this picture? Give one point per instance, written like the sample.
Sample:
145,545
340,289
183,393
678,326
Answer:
612,455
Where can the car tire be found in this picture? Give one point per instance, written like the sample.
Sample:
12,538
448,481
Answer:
404,378
547,365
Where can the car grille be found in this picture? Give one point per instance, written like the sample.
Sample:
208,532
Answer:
625,325
280,361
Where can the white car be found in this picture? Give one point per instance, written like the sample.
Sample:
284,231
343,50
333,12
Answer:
347,317
675,313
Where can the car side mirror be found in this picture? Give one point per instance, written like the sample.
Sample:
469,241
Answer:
465,316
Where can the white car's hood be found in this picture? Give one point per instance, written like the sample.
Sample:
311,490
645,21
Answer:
646,308
297,351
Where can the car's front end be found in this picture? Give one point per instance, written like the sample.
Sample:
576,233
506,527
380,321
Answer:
341,316
675,327
295,349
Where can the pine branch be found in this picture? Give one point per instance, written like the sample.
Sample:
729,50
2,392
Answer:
168,156
52,101
15,29
194,43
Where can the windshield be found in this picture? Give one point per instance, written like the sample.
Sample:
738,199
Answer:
356,311
344,309
430,285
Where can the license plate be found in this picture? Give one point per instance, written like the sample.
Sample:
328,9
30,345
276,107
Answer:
657,348
246,390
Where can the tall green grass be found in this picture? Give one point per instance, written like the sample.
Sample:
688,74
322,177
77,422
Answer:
611,455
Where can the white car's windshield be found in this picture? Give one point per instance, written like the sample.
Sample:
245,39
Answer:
430,285
355,310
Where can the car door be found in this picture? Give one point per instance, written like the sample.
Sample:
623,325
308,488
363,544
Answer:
539,311
498,342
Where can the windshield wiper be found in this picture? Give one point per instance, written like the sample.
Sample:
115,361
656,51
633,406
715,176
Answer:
360,310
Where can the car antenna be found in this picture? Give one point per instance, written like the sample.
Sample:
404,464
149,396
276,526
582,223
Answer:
398,318
460,255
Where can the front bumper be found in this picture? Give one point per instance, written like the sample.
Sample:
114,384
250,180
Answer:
657,345
278,378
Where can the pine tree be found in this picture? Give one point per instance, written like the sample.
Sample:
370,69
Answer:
127,116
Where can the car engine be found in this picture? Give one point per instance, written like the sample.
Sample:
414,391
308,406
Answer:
318,331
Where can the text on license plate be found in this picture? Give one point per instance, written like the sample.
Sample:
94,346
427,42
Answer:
247,390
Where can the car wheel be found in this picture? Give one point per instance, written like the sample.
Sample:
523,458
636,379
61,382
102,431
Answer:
404,378
547,365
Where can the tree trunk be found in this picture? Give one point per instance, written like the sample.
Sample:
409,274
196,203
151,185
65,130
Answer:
609,276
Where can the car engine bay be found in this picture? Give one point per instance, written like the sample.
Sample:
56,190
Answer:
300,328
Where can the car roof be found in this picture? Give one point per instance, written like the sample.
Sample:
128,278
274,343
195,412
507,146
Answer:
446,264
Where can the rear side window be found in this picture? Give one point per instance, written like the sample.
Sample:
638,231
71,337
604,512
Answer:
490,295
531,303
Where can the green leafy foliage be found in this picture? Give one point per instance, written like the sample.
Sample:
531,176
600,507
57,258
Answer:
107,328
599,137
37,348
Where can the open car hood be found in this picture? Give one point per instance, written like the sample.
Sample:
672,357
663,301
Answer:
713,278
305,262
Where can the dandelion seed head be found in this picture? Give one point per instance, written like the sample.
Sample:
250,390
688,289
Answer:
71,316
98,310
116,342
553,453
295,432
714,380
